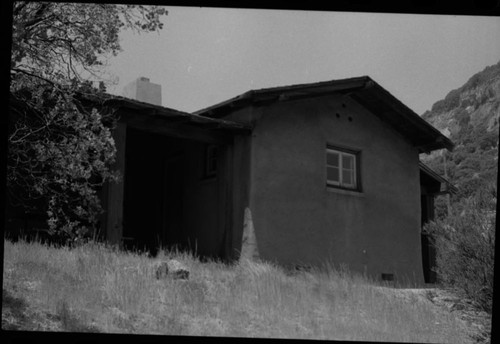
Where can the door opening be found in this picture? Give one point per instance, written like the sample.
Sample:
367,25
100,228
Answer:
172,205
427,241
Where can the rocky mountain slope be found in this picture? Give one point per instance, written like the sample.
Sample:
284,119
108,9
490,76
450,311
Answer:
469,116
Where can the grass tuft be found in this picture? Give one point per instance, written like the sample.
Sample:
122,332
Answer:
96,288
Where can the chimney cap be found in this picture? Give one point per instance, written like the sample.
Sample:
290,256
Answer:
143,78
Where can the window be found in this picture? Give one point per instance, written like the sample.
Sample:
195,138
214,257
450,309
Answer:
341,168
210,161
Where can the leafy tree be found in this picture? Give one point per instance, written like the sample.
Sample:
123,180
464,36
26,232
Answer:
465,238
465,245
60,145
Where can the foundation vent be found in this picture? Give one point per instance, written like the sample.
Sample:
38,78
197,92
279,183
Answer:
388,277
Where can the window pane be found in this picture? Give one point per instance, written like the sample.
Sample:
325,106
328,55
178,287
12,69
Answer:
332,159
332,175
211,161
347,161
212,166
347,177
341,168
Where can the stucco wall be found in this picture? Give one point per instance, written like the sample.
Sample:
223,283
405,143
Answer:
297,219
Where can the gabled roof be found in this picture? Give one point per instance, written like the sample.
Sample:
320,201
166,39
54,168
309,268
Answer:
363,90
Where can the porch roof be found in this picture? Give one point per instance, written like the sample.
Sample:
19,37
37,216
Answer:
445,185
363,90
173,116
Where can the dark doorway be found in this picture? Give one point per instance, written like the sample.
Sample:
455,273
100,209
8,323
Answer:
153,190
169,201
172,234
427,241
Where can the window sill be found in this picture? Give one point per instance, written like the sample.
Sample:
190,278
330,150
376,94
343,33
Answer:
345,192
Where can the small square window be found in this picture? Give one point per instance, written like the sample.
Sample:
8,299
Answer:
210,161
342,168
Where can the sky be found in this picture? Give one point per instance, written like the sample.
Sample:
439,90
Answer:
207,55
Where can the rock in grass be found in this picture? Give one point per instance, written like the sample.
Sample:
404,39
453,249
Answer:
171,268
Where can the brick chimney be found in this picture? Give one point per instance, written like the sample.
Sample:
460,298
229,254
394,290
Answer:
143,90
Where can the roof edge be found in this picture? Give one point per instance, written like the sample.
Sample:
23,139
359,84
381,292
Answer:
413,117
252,95
449,187
165,112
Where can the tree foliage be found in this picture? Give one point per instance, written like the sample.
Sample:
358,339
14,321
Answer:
60,145
64,41
465,246
465,238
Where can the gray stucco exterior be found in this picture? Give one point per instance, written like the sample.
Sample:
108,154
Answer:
299,220
296,219
271,182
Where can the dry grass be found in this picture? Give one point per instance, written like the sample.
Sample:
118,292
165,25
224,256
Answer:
94,288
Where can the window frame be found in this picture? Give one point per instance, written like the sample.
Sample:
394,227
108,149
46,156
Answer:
210,163
356,168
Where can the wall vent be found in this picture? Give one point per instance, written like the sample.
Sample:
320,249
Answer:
388,277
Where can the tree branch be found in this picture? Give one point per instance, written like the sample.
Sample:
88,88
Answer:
18,70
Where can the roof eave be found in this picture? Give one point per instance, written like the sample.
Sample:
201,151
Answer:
434,138
175,115
284,92
439,143
448,186
234,102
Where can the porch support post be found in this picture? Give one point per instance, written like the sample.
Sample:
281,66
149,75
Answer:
114,225
225,197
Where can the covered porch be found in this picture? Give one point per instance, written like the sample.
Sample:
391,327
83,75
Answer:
182,181
431,185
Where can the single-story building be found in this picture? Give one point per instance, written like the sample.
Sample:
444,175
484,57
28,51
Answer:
297,175
328,171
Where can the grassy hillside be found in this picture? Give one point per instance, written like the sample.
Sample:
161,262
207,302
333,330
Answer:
93,288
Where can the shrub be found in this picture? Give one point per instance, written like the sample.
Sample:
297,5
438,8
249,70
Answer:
451,101
465,245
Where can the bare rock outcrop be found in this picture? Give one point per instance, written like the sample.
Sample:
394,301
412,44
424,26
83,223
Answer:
171,268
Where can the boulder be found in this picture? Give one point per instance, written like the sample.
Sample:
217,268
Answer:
171,268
